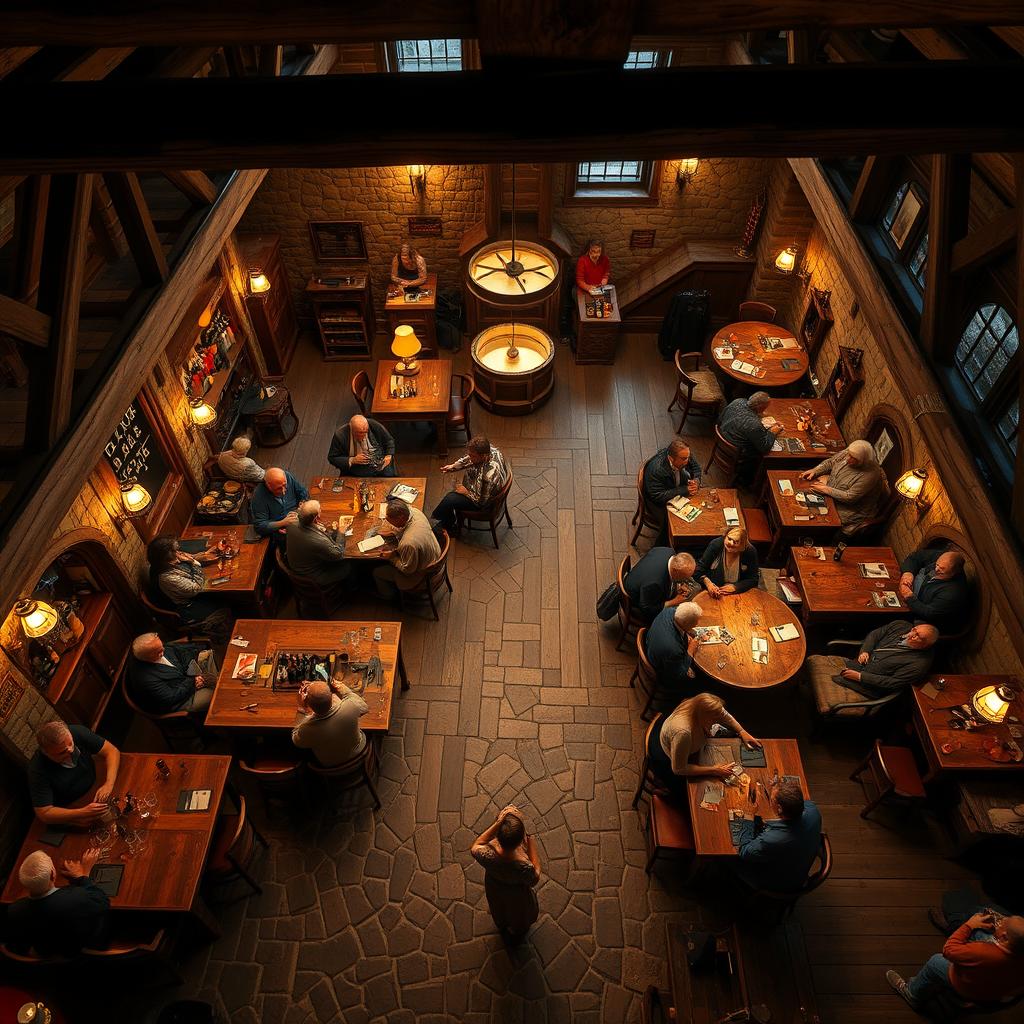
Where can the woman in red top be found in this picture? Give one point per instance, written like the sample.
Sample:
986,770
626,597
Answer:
592,268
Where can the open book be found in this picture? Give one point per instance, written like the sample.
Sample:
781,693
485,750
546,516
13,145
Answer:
873,570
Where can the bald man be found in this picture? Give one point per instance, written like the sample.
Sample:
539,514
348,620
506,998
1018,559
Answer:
314,549
935,588
854,481
274,503
328,722
362,447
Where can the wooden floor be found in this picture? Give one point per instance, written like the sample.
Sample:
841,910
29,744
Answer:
519,673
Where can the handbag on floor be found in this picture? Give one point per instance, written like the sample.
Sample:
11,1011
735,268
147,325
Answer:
608,603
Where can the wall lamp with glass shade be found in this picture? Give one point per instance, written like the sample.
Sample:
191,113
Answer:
686,171
134,498
911,486
258,282
405,348
993,702
417,179
38,619
201,414
785,262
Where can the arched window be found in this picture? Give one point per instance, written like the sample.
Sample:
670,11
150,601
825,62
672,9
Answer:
986,346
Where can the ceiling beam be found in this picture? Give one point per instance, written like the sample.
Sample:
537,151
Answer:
1012,37
21,321
15,57
184,63
95,64
194,184
108,125
935,44
987,243
137,224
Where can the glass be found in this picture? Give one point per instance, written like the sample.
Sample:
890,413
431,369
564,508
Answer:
807,542
714,495
435,387
755,619
721,663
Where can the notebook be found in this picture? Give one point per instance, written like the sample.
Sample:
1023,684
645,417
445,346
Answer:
732,517
194,800
787,631
370,544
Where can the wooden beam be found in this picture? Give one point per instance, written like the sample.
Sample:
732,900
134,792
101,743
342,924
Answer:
935,44
185,62
988,243
14,57
492,199
95,64
133,213
869,192
951,454
799,48
107,232
270,58
30,225
23,322
650,114
841,47
235,272
1013,36
1017,502
194,184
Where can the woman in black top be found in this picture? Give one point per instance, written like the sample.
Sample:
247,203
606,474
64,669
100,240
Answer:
408,268
728,565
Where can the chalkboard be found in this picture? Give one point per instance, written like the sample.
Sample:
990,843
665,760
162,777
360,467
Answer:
133,451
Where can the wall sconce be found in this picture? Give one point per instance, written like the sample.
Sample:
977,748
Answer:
201,414
417,179
405,347
206,317
911,486
785,262
993,702
258,283
135,498
37,618
686,170
804,272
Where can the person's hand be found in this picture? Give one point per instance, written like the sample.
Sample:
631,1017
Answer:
819,488
713,589
361,459
851,674
905,591
722,771
907,579
510,809
80,868
334,525
386,461
92,812
459,489
292,517
691,645
692,486
807,474
729,588
448,468
776,429
604,281
863,658
749,741
102,795
983,921
200,682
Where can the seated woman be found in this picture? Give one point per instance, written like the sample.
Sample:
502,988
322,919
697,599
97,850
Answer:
679,737
177,577
728,565
408,268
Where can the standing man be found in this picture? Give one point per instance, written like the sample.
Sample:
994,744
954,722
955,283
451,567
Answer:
486,474
328,722
741,425
417,547
362,447
314,551
669,473
274,503
593,268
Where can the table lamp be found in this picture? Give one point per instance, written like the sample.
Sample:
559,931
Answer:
405,347
37,617
992,702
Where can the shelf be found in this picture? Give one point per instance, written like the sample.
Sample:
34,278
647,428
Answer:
91,615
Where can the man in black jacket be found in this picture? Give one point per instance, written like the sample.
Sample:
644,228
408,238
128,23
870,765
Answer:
58,921
170,678
935,587
362,447
659,580
669,473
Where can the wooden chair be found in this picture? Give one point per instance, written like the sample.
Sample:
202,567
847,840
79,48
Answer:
647,678
697,390
312,600
629,621
169,620
362,391
643,517
353,773
233,849
669,830
891,772
278,779
725,456
870,533
136,953
31,960
783,902
463,389
492,514
649,783
180,730
751,310
434,578
275,424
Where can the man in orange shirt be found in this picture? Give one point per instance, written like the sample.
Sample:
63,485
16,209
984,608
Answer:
982,961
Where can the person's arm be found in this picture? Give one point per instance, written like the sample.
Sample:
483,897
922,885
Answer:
860,487
384,440
182,582
946,600
749,577
702,573
918,560
53,815
533,853
961,951
907,671
110,759
693,468
872,639
606,265
260,514
759,849
338,455
421,271
763,438
822,468
661,488
301,493
395,279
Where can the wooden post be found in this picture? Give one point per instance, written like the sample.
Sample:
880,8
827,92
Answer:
869,192
132,211
30,224
236,274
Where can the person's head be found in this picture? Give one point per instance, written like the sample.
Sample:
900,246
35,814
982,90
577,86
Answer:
162,551
37,873
308,512
788,799
687,615
678,453
706,709
478,449
397,513
595,248
1009,933
922,636
681,567
758,401
318,697
735,539
949,564
276,481
408,254
148,647
360,427
241,445
860,453
56,742
511,832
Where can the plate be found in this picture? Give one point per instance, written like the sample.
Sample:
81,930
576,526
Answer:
232,487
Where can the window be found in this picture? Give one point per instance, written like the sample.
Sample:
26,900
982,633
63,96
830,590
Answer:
904,233
426,55
919,261
1008,425
986,347
611,172
890,211
644,60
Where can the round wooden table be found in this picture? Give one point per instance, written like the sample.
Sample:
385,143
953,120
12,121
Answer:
734,612
743,339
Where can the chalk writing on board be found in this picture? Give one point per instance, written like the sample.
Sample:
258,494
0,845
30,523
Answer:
132,451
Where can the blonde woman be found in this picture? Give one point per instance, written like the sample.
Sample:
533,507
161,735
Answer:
728,565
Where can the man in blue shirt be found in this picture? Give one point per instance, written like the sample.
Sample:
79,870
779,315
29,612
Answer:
780,855
274,503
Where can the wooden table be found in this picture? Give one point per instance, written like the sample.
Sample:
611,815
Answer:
242,573
964,751
344,502
711,828
734,612
165,874
431,404
418,315
276,708
788,411
743,338
596,338
836,590
783,509
709,524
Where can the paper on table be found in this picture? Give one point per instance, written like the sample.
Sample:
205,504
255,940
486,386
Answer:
786,487
679,502
787,631
732,516
723,353
769,421
741,367
759,650
239,641
370,544
777,446
245,666
929,691
874,570
199,800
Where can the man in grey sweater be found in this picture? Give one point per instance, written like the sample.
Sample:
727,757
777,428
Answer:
854,481
416,548
313,550
328,722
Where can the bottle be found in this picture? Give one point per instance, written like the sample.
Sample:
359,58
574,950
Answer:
838,553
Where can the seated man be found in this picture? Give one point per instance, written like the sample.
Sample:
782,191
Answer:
235,463
274,502
175,677
62,771
486,474
313,550
893,656
362,447
661,579
981,962
856,483
935,587
778,857
416,548
669,473
670,647
58,921
741,425
328,722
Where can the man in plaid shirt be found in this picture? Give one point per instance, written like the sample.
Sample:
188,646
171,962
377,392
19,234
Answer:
486,474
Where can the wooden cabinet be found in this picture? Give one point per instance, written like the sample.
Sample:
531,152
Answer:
418,315
344,316
596,338
272,312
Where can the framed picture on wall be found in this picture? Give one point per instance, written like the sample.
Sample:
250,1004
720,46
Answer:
883,446
907,218
337,241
